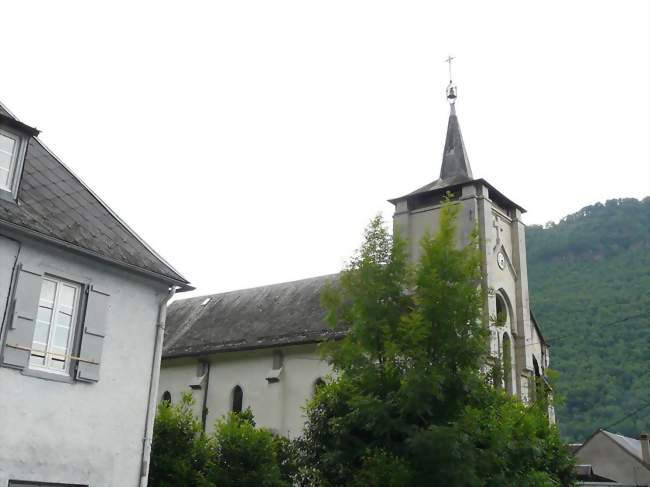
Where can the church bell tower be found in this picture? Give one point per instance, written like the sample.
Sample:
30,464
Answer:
515,338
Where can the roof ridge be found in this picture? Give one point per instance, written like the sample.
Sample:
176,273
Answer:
253,288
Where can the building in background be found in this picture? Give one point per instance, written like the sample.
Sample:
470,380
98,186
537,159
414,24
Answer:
257,347
623,460
82,304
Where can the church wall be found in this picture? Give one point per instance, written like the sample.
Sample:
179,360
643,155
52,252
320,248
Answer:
414,224
277,406
175,377
502,232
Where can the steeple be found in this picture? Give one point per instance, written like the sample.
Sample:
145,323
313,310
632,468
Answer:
455,163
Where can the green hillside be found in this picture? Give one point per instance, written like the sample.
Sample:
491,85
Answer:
590,289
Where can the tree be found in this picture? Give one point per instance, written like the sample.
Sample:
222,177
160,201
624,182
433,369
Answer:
243,455
411,403
236,454
180,449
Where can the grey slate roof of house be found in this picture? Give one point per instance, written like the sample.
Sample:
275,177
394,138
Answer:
631,445
55,205
280,314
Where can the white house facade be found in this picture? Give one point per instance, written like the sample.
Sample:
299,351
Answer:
82,300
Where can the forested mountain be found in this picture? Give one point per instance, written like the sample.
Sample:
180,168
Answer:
590,290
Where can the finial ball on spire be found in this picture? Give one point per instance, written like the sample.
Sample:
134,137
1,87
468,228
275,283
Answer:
451,93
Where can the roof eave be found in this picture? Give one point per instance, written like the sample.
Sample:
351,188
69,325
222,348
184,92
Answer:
245,348
471,181
183,286
18,125
539,330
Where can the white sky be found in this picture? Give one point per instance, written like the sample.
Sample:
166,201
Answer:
251,142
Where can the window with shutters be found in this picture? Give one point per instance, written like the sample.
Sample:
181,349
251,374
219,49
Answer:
54,327
58,308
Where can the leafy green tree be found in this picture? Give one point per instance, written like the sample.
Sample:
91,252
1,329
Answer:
409,404
242,455
180,449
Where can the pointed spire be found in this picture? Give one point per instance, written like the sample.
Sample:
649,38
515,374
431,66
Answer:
455,162
454,158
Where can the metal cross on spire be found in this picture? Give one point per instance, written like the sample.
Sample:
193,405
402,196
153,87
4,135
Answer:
449,60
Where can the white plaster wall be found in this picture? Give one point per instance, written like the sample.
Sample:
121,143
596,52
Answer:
175,378
277,406
610,461
81,433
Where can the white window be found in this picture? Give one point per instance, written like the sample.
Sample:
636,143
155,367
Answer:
54,327
9,146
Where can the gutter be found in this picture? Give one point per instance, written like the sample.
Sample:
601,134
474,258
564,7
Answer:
153,388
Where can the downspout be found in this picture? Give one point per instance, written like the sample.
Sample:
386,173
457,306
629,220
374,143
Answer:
153,387
204,406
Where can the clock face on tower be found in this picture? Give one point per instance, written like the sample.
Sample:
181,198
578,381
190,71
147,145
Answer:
501,260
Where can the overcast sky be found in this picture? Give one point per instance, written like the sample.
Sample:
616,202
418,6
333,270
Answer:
251,142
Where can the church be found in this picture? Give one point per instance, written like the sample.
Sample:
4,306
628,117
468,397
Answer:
258,347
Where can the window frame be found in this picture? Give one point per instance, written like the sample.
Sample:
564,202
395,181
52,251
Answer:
10,192
73,334
237,403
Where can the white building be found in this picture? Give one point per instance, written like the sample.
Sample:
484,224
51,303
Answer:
616,458
81,296
257,347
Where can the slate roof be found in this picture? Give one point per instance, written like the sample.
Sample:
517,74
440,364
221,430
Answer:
280,314
55,205
455,162
631,445
455,170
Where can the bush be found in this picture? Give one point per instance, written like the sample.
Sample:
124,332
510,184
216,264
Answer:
180,449
237,454
243,455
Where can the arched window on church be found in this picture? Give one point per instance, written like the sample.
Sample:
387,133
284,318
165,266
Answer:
502,311
539,385
507,364
167,397
237,399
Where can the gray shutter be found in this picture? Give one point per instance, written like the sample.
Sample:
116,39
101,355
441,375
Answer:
92,336
22,317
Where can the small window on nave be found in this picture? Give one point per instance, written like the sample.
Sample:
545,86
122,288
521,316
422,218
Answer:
237,399
167,397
